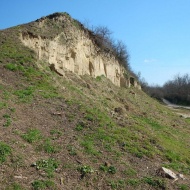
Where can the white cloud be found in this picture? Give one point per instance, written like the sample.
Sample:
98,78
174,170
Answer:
150,60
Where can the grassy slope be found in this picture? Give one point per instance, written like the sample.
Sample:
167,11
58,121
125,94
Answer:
65,133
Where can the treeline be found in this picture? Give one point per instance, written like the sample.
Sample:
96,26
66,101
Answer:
176,90
103,39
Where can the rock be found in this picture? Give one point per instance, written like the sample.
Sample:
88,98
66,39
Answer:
181,176
20,177
164,172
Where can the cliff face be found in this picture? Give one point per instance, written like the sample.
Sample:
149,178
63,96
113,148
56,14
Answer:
72,47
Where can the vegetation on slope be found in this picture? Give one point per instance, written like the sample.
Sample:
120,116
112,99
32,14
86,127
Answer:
82,133
176,90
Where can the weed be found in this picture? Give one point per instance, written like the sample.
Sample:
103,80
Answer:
5,150
72,150
55,133
26,94
183,187
84,170
32,135
48,166
8,120
172,156
80,126
117,184
12,109
99,78
2,105
88,145
14,67
109,169
130,172
15,186
6,95
155,182
133,182
48,147
43,184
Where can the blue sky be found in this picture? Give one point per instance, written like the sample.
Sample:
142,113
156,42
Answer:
156,32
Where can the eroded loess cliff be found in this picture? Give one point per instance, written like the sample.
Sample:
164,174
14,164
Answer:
65,44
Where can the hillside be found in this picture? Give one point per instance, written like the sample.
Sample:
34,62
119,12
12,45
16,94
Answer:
60,130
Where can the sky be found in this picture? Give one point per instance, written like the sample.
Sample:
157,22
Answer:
156,32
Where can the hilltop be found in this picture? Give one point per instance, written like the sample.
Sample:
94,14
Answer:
68,123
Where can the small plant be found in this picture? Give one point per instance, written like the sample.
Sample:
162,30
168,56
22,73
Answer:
72,150
15,186
109,169
43,184
55,134
84,170
8,120
117,184
80,126
49,166
5,150
32,135
183,187
2,105
133,182
49,147
130,172
13,67
155,182
25,95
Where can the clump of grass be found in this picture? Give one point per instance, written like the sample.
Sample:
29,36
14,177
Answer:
49,147
5,150
25,95
43,184
109,169
8,120
14,67
14,186
48,166
55,134
155,182
2,105
84,170
72,150
130,172
133,182
117,184
80,126
32,135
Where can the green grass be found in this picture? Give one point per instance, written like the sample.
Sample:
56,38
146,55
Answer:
32,135
183,187
5,150
85,169
43,184
15,186
72,150
56,134
48,166
8,120
108,169
155,182
117,184
49,147
25,95
3,105
89,147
